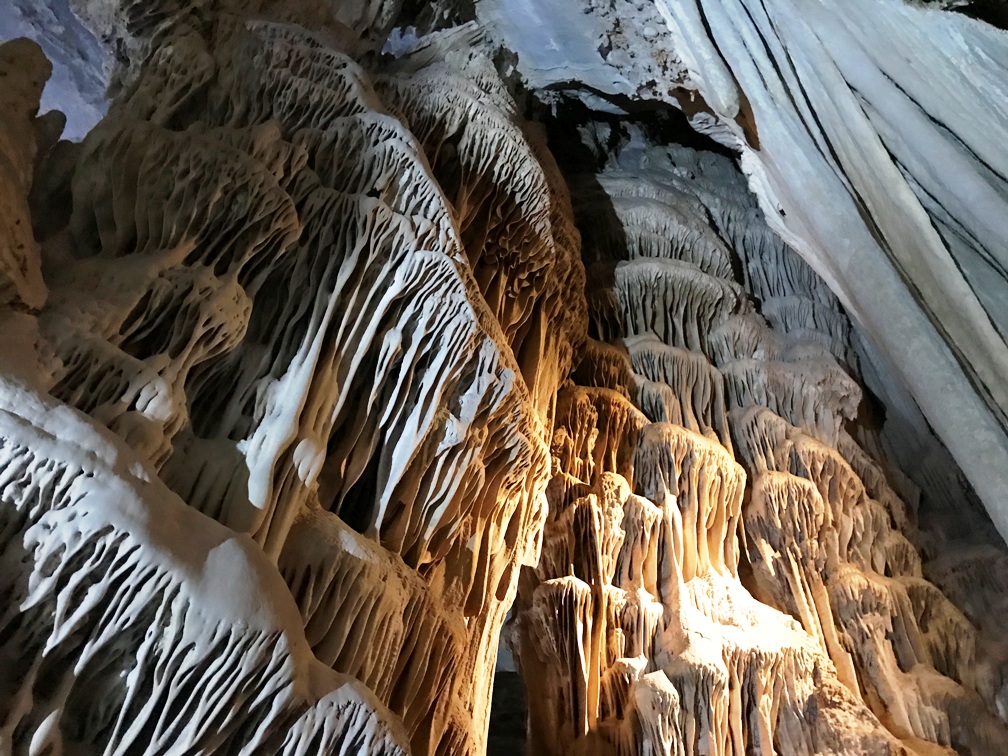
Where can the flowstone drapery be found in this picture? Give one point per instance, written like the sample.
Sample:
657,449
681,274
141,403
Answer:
312,371
310,305
871,133
635,633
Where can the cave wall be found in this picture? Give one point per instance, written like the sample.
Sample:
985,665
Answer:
308,307
315,365
872,134
702,459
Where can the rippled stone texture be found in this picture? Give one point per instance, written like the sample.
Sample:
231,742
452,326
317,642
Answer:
309,304
308,378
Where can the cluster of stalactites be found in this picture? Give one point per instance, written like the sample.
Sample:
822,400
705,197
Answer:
874,649
97,553
307,298
821,547
598,612
634,634
826,535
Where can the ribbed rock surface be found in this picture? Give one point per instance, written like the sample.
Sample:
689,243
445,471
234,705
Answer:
306,300
311,373
635,633
870,132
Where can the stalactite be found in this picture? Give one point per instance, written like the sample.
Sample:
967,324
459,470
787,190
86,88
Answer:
872,657
272,289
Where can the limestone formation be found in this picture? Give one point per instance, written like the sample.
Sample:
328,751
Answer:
637,631
26,70
323,339
320,375
871,132
132,623
899,117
